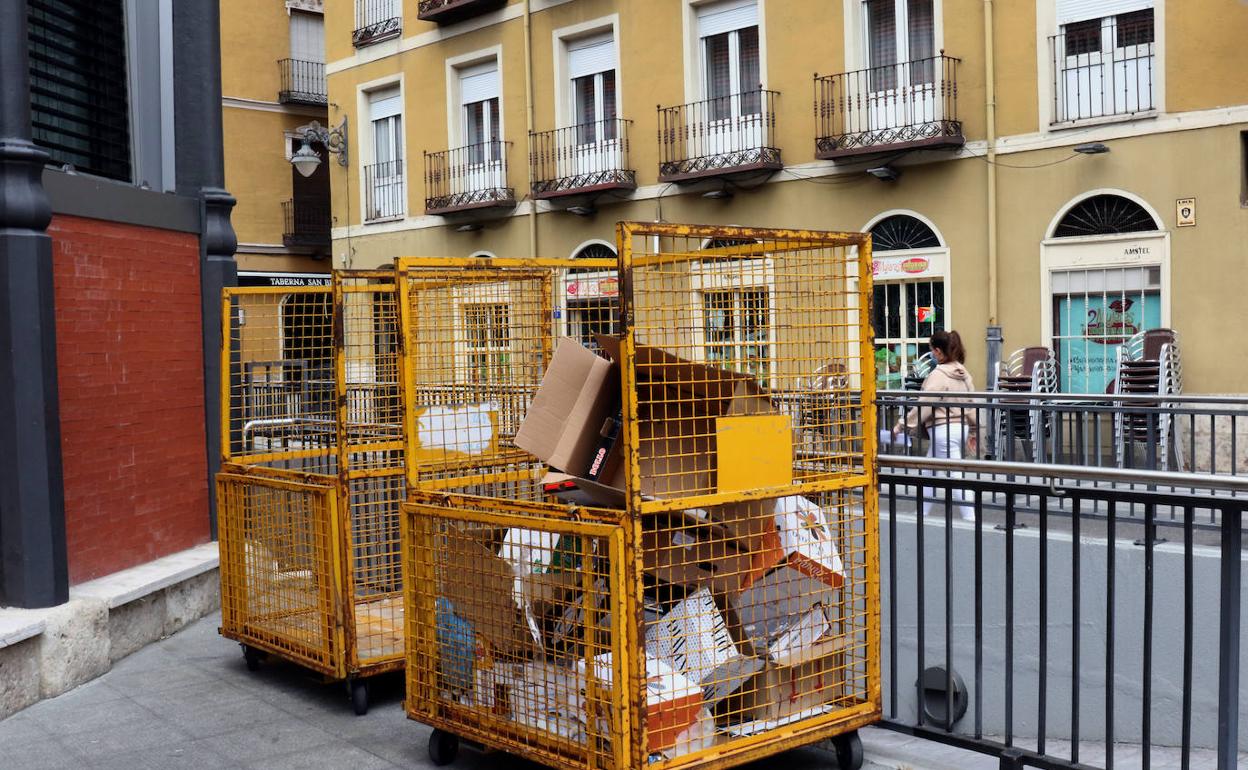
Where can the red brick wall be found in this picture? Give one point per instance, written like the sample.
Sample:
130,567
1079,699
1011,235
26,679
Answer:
129,360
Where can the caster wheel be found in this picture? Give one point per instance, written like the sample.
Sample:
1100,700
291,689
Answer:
359,696
848,747
252,657
443,747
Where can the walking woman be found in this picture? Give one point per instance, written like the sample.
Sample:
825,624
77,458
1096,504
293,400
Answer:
949,426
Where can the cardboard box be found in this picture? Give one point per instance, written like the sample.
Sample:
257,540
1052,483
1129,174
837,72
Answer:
680,549
775,605
673,702
481,588
807,540
695,639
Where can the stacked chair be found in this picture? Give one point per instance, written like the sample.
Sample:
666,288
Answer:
1031,371
1148,364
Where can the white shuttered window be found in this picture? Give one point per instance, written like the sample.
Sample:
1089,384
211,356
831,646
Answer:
1069,11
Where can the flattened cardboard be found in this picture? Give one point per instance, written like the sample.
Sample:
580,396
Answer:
696,640
752,524
672,700
578,392
480,587
793,691
807,540
444,433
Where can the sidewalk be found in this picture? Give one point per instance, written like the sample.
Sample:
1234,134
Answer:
189,702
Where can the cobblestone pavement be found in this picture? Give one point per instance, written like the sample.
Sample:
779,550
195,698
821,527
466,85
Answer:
189,702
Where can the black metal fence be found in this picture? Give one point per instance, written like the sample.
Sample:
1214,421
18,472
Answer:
1103,67
1062,641
376,20
908,104
306,223
582,158
735,132
303,82
385,193
468,177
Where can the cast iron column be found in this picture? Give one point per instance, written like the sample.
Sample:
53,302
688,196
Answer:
201,173
33,571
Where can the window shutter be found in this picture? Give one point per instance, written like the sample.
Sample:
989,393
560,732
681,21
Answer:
718,18
591,55
1069,11
384,103
307,36
478,83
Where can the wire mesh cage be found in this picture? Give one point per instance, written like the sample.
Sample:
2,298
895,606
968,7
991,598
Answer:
313,475
659,549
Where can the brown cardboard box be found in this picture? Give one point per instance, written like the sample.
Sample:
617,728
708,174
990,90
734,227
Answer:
806,683
680,549
480,587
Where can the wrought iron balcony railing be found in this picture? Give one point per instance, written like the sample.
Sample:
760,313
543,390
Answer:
1104,67
468,178
906,105
450,11
303,82
718,137
306,223
587,158
385,191
376,20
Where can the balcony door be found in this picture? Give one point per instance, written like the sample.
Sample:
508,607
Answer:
901,74
387,192
482,154
595,134
307,48
728,35
1104,64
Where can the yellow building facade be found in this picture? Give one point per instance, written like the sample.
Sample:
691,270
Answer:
1068,171
273,86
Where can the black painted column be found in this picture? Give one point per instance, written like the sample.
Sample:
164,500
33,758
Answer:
33,571
201,172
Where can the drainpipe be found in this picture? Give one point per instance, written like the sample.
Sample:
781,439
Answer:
993,338
528,116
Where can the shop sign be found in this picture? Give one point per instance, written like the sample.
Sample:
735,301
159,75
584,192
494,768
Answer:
292,280
900,267
592,288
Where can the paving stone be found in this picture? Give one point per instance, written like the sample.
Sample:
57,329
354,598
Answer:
339,755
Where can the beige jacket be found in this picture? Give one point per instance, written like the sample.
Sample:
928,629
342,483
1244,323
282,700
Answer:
949,377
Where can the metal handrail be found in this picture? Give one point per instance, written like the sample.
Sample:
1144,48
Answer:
1058,398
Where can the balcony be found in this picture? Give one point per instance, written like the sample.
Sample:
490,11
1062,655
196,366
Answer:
905,106
375,21
719,137
306,223
1104,68
585,159
385,192
471,178
303,82
451,11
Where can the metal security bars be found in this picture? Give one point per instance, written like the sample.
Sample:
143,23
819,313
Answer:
313,475
376,20
466,178
900,106
305,223
714,137
385,191
1104,67
586,158
1053,631
303,82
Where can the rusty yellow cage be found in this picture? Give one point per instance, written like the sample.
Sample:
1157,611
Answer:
313,476
661,551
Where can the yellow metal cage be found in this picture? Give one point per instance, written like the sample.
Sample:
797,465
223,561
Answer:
313,476
661,550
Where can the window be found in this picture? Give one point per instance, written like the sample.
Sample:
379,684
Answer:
908,304
1104,215
731,70
1103,59
489,345
80,111
900,42
592,298
384,189
591,69
736,326
481,127
307,36
375,20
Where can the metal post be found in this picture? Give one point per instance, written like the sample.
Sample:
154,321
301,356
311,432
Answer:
201,173
33,565
1228,638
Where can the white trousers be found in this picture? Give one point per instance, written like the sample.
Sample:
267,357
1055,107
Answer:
947,441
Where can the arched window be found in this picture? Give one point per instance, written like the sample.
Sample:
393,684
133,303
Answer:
902,231
1104,215
595,251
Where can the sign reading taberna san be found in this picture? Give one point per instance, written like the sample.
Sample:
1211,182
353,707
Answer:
291,280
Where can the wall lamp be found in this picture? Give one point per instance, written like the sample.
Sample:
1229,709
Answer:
885,173
306,160
1092,148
